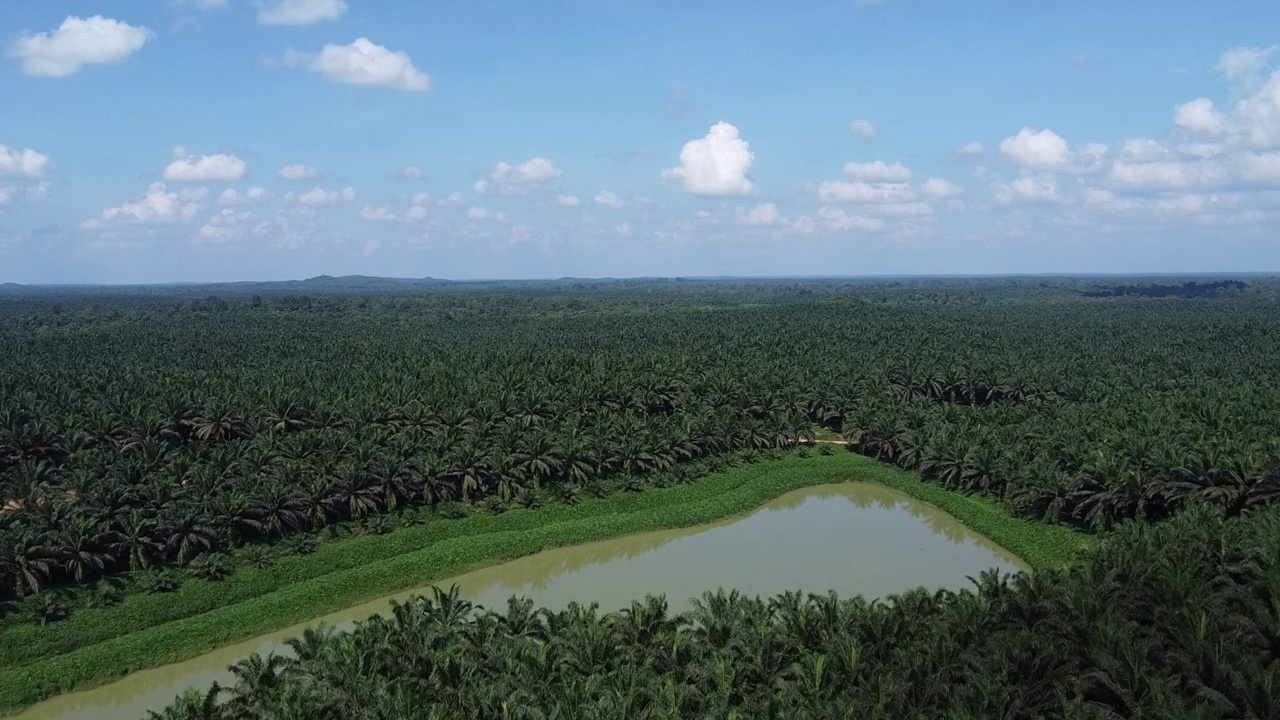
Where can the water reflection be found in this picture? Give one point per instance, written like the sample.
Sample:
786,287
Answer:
854,538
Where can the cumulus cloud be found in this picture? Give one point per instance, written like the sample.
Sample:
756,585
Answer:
622,229
863,192
300,12
940,188
377,214
157,206
534,171
1038,189
877,171
298,172
863,129
608,199
1200,116
29,193
23,163
206,168
78,42
367,63
1143,150
477,213
411,172
762,214
716,164
319,197
1244,67
840,221
1042,149
223,228
1260,168
415,213
231,196
1166,175
568,201
970,150
1254,121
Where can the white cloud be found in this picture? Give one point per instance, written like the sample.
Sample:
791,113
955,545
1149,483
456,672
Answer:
1260,168
623,229
421,198
480,187
877,171
519,234
940,188
223,228
298,172
78,42
1166,175
300,12
1042,149
802,226
157,206
1091,158
863,129
1143,150
762,214
415,213
206,168
1244,67
861,192
568,201
899,210
319,197
841,221
1040,189
608,199
970,150
1257,117
367,63
477,213
716,164
28,162
253,195
193,194
29,193
411,172
450,200
534,171
1200,116
205,4
377,214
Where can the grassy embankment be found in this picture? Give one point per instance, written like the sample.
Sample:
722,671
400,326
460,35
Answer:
95,646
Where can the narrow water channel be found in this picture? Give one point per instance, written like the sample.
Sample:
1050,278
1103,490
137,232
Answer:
854,538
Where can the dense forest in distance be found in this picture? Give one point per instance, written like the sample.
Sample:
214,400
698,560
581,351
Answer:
149,435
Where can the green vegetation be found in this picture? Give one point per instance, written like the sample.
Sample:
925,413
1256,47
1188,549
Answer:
1109,637
168,454
350,571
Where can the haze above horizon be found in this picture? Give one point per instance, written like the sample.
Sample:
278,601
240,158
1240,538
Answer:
225,140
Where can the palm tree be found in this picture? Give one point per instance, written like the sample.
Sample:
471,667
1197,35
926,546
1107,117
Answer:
80,546
134,541
278,510
26,563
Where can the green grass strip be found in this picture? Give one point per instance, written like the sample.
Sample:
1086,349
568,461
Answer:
461,545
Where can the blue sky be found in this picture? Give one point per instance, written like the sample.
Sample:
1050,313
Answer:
168,140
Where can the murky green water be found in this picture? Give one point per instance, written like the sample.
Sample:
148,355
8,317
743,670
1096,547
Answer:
855,538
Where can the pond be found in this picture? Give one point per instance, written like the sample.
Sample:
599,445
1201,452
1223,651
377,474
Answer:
854,538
